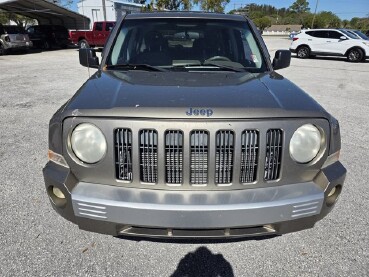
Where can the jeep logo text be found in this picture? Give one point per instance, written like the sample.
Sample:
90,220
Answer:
199,112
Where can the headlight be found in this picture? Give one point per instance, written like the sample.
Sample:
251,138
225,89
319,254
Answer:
305,143
88,143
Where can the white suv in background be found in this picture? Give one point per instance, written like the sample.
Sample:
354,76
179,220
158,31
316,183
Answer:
329,42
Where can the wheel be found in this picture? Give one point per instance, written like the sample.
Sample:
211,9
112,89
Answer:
2,49
46,45
218,58
355,55
303,52
83,44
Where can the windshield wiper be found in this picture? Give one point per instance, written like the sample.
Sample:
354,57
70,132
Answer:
216,65
130,66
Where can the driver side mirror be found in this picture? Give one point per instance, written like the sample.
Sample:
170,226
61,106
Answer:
87,58
343,38
282,59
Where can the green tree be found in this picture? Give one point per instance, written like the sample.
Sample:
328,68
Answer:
300,6
174,5
263,22
212,5
3,18
345,23
327,20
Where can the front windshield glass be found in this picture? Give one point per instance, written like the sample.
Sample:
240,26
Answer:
187,43
360,34
12,30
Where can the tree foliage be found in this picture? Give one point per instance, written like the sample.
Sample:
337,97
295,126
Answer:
174,5
300,6
263,22
212,5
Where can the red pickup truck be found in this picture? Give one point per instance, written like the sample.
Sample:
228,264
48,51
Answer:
92,38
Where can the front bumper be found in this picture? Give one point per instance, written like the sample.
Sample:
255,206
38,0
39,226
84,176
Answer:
18,45
206,214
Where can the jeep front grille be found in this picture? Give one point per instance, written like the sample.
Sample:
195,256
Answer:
123,154
149,156
249,155
224,157
199,157
273,154
174,157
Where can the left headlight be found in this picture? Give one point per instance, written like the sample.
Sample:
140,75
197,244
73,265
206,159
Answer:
305,143
88,143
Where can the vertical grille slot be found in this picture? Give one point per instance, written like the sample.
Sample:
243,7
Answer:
249,155
123,154
173,157
199,149
149,156
273,154
224,157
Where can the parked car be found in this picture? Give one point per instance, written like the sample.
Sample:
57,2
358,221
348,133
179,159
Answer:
92,38
13,37
330,42
187,131
356,33
49,36
292,35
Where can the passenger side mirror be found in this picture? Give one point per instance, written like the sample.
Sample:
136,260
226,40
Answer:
282,59
343,38
87,57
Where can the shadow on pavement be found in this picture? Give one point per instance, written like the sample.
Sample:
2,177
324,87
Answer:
203,263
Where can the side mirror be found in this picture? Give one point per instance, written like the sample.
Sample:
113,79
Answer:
87,57
343,38
282,59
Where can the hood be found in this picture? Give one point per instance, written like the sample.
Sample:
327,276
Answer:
191,95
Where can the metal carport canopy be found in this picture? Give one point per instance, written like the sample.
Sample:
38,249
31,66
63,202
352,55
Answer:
46,13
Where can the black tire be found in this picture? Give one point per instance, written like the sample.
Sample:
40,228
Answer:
46,45
355,55
303,52
2,49
83,44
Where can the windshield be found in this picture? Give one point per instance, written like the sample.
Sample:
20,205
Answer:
11,30
187,44
360,34
349,34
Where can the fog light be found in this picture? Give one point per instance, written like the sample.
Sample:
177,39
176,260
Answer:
58,193
333,195
332,192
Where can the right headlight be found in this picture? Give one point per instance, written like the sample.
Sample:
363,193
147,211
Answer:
305,143
88,143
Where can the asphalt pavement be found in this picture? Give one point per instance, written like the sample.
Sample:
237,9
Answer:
36,241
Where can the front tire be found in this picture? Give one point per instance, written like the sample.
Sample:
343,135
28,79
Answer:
355,55
303,52
83,44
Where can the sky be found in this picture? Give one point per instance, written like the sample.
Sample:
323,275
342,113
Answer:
345,9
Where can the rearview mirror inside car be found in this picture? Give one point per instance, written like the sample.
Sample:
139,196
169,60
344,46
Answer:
87,57
282,59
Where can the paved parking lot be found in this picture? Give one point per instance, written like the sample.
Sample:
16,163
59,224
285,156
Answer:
35,241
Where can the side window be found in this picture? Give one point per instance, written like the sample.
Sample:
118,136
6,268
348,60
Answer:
109,26
335,35
321,34
310,33
30,30
99,26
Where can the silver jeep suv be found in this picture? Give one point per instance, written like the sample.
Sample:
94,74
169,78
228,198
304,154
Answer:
186,131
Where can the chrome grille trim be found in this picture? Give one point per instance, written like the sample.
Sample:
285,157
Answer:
273,154
249,156
149,156
199,151
174,157
224,157
123,154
